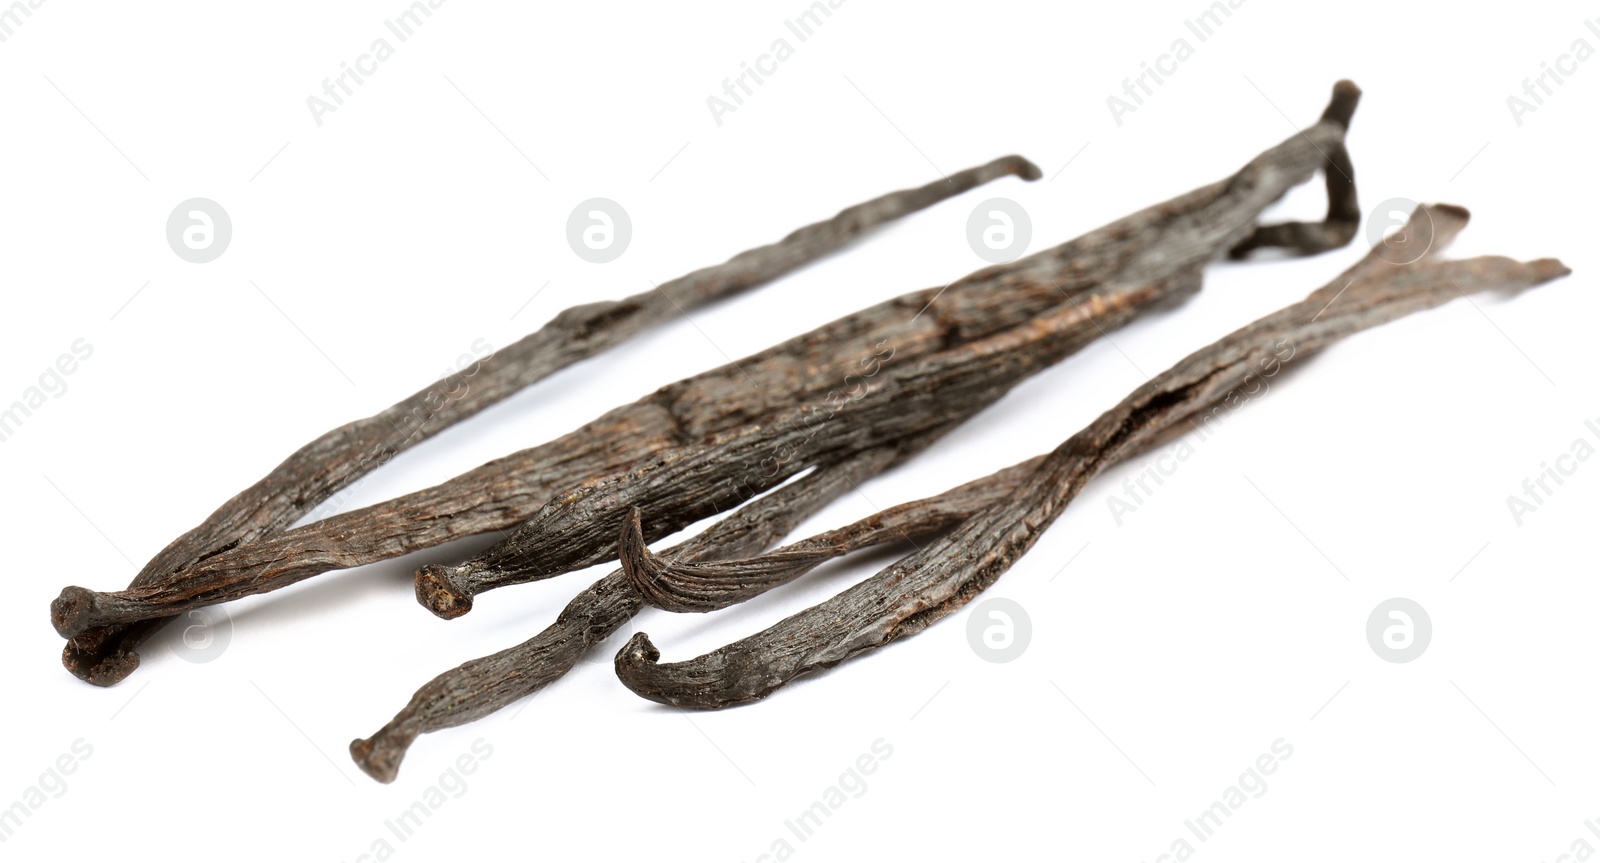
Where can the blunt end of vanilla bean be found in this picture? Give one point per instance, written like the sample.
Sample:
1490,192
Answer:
1346,95
379,756
1005,166
1428,231
100,666
438,592
639,651
1444,222
1024,169
705,683
634,664
73,612
1536,273
1549,269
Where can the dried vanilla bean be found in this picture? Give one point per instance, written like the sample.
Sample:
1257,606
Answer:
680,486
701,585
1154,244
482,686
261,566
711,584
330,463
683,484
910,595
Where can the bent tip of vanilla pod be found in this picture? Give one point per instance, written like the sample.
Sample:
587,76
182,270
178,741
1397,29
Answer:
937,580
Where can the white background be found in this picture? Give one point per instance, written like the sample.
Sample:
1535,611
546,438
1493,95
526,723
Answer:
373,249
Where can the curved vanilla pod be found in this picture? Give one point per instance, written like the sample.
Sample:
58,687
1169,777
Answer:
483,686
923,587
338,458
712,584
1154,245
700,585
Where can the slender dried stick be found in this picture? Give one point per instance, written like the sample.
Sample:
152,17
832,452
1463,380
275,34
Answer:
910,595
482,686
701,585
578,527
1150,245
331,462
683,485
